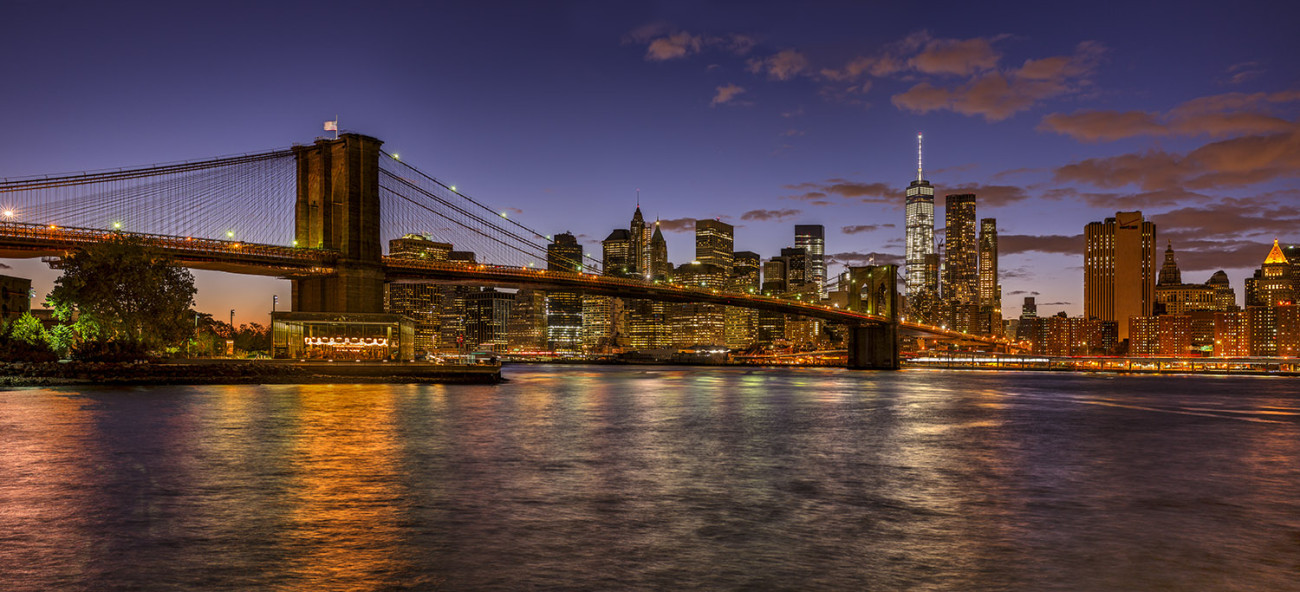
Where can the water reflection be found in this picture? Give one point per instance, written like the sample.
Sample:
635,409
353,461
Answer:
649,478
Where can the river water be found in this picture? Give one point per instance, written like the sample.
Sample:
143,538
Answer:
645,478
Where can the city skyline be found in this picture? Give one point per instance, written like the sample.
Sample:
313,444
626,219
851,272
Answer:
712,113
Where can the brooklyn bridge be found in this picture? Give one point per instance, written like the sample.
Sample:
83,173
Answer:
318,215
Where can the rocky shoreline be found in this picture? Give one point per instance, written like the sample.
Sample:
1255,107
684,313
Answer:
71,373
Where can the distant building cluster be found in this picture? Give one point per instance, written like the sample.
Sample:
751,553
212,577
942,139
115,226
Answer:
1134,308
457,319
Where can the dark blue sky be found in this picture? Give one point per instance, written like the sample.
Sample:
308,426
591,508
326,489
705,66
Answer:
764,114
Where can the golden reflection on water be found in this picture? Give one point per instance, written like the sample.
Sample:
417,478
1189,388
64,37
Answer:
342,511
39,459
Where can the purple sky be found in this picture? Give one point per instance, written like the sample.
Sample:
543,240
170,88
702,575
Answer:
763,114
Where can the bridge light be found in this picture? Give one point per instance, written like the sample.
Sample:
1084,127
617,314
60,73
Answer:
9,213
397,156
503,215
117,226
230,234
453,188
295,243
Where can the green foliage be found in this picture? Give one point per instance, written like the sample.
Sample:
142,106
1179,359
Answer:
24,340
124,292
27,329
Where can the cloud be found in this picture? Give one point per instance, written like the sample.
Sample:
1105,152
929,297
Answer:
785,65
864,228
1217,116
1229,218
792,132
791,114
859,259
867,192
1233,162
677,225
959,58
991,195
1013,244
675,46
663,42
766,215
1021,293
1242,72
997,95
725,94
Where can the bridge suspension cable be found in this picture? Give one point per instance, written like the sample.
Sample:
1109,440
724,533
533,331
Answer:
246,197
416,202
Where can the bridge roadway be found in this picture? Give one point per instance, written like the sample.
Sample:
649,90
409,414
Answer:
22,240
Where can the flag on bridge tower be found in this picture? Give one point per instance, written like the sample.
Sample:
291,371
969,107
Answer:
333,126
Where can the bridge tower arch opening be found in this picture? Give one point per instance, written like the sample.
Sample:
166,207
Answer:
875,291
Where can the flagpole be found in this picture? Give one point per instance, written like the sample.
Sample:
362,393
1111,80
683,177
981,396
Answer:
336,126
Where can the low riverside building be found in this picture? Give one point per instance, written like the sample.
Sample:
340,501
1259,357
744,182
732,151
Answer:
15,297
342,336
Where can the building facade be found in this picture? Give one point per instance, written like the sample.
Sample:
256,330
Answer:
1119,275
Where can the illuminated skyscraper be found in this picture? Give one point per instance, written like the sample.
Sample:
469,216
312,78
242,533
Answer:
1119,269
812,238
639,255
920,228
990,291
714,244
564,309
961,266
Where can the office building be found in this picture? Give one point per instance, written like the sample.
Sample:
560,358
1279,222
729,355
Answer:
961,264
812,239
714,244
1119,275
564,309
920,228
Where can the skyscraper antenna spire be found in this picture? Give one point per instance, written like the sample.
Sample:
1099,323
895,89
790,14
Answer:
638,198
919,177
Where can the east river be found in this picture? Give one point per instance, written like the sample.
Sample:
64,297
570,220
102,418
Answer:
656,478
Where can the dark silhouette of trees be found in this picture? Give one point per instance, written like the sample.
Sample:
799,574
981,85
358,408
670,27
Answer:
127,292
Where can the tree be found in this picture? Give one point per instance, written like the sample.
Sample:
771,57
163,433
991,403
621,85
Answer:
132,293
28,329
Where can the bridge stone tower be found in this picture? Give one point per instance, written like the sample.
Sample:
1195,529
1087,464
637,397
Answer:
338,209
874,347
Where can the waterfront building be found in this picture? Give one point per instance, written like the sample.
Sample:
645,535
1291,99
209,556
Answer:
462,257
1173,297
564,309
796,269
1143,336
660,267
617,256
451,313
639,242
1175,333
1261,322
714,244
601,323
695,323
1231,334
420,303
919,235
487,319
990,291
415,246
742,323
1275,282
1119,269
527,327
1225,298
812,239
961,251
15,297
774,274
1078,336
